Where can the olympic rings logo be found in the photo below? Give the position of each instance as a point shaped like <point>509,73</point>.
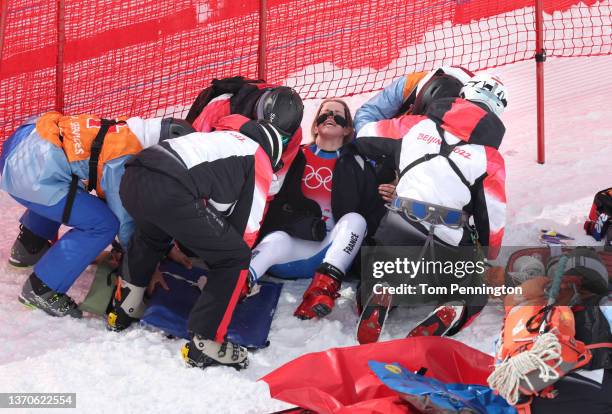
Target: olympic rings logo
<point>315,179</point>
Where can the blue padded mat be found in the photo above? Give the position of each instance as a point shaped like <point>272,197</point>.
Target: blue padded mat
<point>169,310</point>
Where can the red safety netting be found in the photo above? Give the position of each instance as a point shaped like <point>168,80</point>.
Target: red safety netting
<point>579,31</point>
<point>152,57</point>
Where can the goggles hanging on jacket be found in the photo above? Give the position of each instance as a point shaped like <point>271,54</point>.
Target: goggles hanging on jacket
<point>419,211</point>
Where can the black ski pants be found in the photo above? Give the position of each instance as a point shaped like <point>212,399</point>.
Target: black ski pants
<point>394,230</point>
<point>163,209</point>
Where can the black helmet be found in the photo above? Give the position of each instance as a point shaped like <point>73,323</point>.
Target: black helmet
<point>438,86</point>
<point>282,107</point>
<point>173,128</point>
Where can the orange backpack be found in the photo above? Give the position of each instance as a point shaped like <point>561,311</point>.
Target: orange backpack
<point>88,137</point>
<point>537,346</point>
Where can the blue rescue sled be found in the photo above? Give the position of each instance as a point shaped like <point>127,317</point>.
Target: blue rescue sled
<point>169,310</point>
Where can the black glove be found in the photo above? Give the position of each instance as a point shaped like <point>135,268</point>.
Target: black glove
<point>307,228</point>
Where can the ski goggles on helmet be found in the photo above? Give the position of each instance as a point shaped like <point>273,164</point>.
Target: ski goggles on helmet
<point>285,139</point>
<point>285,136</point>
<point>338,119</point>
<point>419,211</point>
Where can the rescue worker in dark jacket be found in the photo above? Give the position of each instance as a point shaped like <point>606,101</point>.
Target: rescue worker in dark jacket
<point>209,191</point>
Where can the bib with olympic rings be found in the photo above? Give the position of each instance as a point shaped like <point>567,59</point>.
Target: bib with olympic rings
<point>317,182</point>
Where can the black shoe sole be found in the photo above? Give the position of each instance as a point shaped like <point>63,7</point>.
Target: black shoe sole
<point>33,306</point>
<point>209,362</point>
<point>321,310</point>
<point>19,265</point>
<point>238,367</point>
<point>118,327</point>
<point>27,303</point>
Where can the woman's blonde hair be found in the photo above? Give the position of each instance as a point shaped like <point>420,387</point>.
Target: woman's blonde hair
<point>347,115</point>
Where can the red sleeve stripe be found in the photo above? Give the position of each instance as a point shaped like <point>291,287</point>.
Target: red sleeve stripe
<point>496,174</point>
<point>495,196</point>
<point>495,241</point>
<point>263,179</point>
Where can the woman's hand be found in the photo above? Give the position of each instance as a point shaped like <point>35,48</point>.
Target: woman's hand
<point>387,192</point>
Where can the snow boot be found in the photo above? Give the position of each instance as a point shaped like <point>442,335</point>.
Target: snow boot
<point>128,306</point>
<point>203,353</point>
<point>321,293</point>
<point>27,249</point>
<point>445,320</point>
<point>36,295</point>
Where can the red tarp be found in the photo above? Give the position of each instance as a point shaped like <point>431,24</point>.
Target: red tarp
<point>339,381</point>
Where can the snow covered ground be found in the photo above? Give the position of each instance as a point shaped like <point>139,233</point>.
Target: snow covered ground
<point>141,371</point>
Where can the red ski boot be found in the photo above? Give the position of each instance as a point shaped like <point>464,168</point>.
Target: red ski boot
<point>370,328</point>
<point>373,317</point>
<point>320,295</point>
<point>441,321</point>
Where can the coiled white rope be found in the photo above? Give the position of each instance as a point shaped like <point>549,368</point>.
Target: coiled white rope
<point>525,268</point>
<point>507,376</point>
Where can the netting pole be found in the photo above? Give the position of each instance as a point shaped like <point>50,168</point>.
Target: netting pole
<point>261,51</point>
<point>59,66</point>
<point>3,18</point>
<point>540,57</point>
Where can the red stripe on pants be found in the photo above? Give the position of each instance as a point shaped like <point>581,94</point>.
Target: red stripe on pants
<point>231,306</point>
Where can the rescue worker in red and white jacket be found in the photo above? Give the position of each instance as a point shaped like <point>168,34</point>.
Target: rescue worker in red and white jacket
<point>447,157</point>
<point>471,177</point>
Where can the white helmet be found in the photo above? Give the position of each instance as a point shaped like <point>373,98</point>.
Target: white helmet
<point>487,89</point>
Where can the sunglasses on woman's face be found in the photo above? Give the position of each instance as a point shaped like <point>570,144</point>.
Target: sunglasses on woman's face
<point>338,119</point>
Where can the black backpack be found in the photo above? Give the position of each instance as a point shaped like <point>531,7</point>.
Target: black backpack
<point>600,216</point>
<point>245,91</point>
<point>592,327</point>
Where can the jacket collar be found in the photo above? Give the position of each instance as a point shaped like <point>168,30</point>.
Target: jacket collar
<point>246,126</point>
